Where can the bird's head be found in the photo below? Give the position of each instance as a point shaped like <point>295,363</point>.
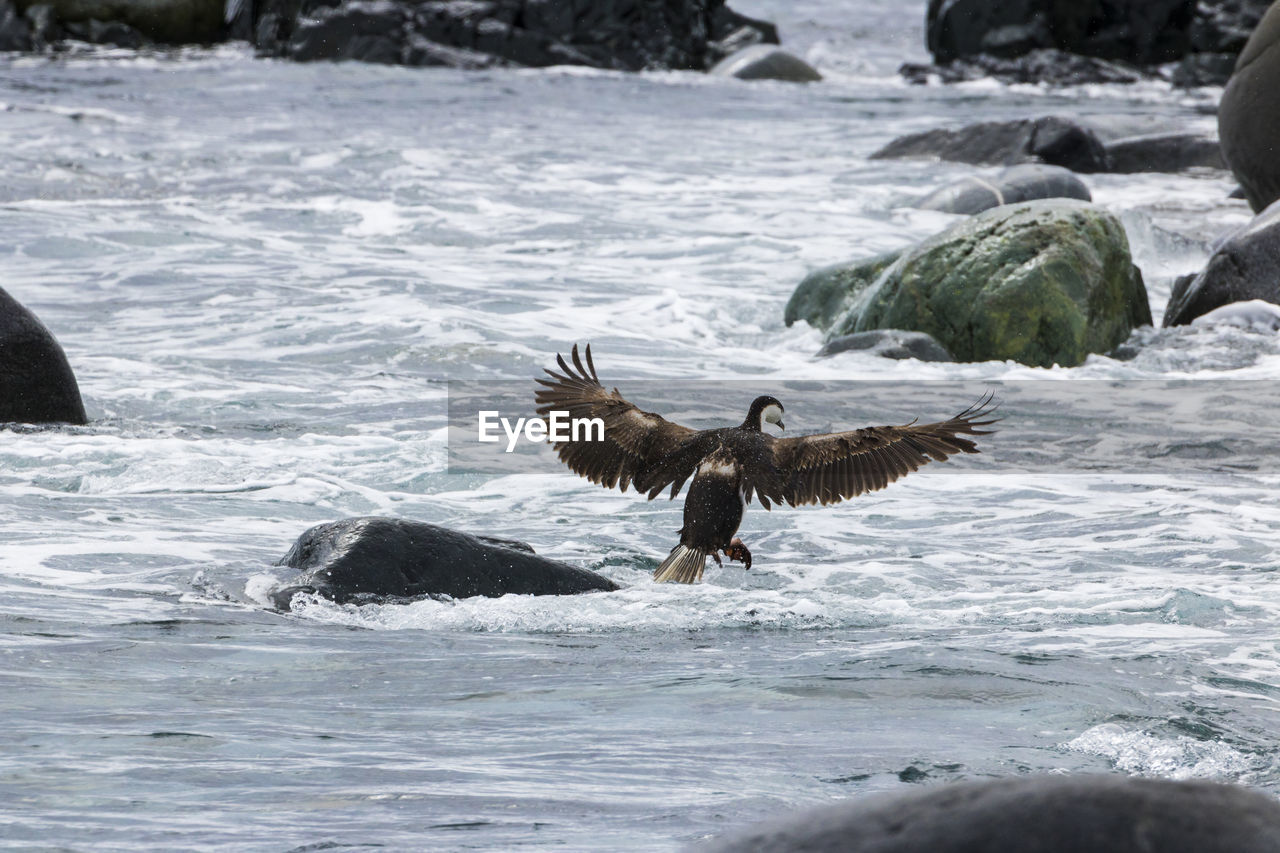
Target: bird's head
<point>764,410</point>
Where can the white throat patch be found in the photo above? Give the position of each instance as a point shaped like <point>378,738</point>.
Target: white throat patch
<point>772,414</point>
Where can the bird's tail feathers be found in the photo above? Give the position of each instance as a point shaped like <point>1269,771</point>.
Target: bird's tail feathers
<point>683,565</point>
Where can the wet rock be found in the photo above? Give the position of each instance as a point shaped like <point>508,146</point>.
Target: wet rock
<point>766,62</point>
<point>15,31</point>
<point>1041,283</point>
<point>1245,266</point>
<point>36,382</point>
<point>113,33</point>
<point>616,34</point>
<point>44,25</point>
<point>827,293</point>
<point>363,560</point>
<point>1164,152</point>
<point>1204,69</point>
<point>890,343</point>
<point>1019,183</point>
<point>1145,32</point>
<point>1222,27</point>
<point>1046,66</point>
<point>1250,111</point>
<point>1254,315</point>
<point>1052,140</point>
<point>1034,814</point>
<point>165,21</point>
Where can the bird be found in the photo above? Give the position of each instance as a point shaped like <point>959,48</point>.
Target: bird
<point>732,465</point>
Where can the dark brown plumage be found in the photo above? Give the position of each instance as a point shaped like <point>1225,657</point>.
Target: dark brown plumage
<point>645,450</point>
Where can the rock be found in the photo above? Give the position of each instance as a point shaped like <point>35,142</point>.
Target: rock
<point>165,21</point>
<point>1250,111</point>
<point>36,382</point>
<point>363,560</point>
<point>1254,315</point>
<point>1033,814</point>
<point>1203,69</point>
<point>1041,283</point>
<point>1245,266</point>
<point>1223,26</point>
<point>105,32</point>
<point>1046,66</point>
<point>827,293</point>
<point>617,34</point>
<point>15,32</point>
<point>1052,140</point>
<point>1016,184</point>
<point>1164,152</point>
<point>890,343</point>
<point>766,62</point>
<point>1145,32</point>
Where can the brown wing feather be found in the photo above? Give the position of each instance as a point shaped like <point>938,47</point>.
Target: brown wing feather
<point>636,442</point>
<point>832,467</point>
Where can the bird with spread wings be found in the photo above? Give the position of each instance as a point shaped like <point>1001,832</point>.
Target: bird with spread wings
<point>732,465</point>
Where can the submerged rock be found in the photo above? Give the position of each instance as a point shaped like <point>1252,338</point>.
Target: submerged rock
<point>1046,66</point>
<point>827,293</point>
<point>1250,112</point>
<point>1019,183</point>
<point>1164,152</point>
<point>36,382</point>
<point>889,343</point>
<point>766,62</point>
<point>1041,283</point>
<point>1035,814</point>
<point>373,559</point>
<point>1244,266</point>
<point>1052,140</point>
<point>1254,315</point>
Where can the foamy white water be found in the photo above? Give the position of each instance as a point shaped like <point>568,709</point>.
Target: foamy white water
<point>264,274</point>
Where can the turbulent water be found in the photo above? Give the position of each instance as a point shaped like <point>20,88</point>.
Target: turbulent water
<point>264,274</point>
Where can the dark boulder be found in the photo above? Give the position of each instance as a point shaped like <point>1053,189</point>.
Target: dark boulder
<point>1164,152</point>
<point>1019,183</point>
<point>889,343</point>
<point>1203,69</point>
<point>1244,266</point>
<point>1140,31</point>
<point>1052,140</point>
<point>164,21</point>
<point>617,34</point>
<point>363,560</point>
<point>1035,814</point>
<point>36,382</point>
<point>766,62</point>
<point>15,31</point>
<point>1249,114</point>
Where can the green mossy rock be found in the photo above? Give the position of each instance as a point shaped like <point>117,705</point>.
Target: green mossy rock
<point>826,294</point>
<point>1042,283</point>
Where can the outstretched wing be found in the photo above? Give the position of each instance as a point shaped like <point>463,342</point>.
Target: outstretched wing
<point>831,467</point>
<point>639,447</point>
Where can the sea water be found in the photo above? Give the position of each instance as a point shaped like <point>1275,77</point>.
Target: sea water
<point>264,275</point>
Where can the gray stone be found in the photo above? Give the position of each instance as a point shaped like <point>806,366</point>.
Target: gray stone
<point>889,343</point>
<point>1019,183</point>
<point>1246,265</point>
<point>36,382</point>
<point>1249,114</point>
<point>1164,152</point>
<point>15,31</point>
<point>1036,814</point>
<point>166,21</point>
<point>827,293</point>
<point>1052,140</point>
<point>363,560</point>
<point>766,62</point>
<point>1047,66</point>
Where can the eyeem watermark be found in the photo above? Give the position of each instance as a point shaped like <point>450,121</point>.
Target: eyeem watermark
<point>557,426</point>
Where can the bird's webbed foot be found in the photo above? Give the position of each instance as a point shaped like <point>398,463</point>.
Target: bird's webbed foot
<point>738,552</point>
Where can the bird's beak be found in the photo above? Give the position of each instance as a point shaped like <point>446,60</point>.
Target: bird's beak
<point>781,425</point>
